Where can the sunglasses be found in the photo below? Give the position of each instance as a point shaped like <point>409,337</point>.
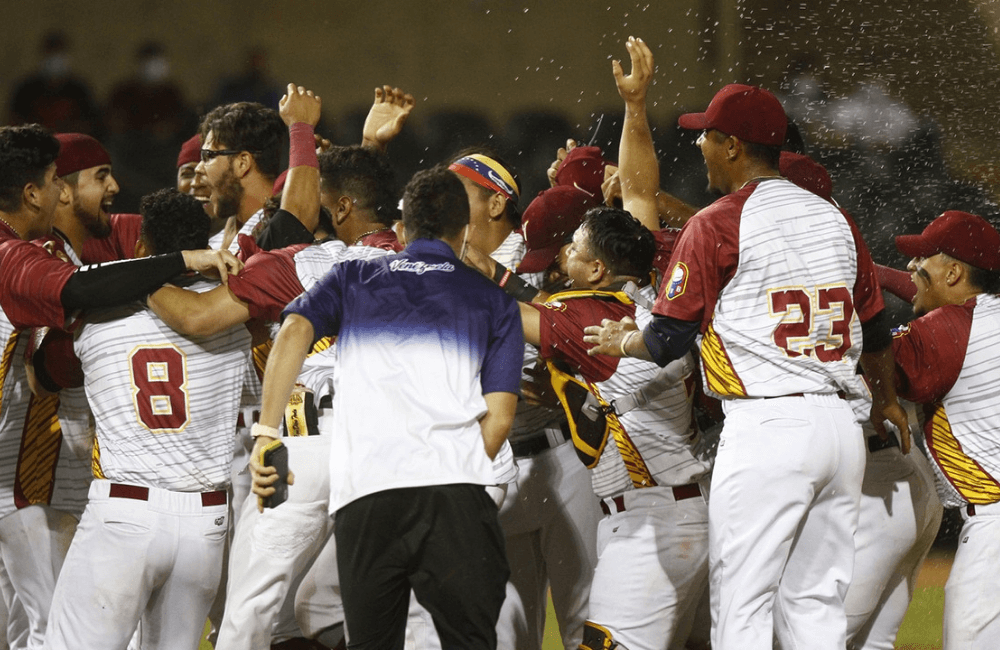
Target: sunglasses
<point>209,154</point>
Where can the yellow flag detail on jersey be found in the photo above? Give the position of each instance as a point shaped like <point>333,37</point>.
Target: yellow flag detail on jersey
<point>720,376</point>
<point>969,478</point>
<point>40,445</point>
<point>260,354</point>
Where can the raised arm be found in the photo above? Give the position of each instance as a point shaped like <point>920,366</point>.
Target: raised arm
<point>638,169</point>
<point>300,110</point>
<point>386,118</point>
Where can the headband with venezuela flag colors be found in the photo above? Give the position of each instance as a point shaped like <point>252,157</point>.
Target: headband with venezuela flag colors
<point>486,172</point>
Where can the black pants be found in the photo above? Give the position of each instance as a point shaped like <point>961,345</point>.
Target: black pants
<point>442,541</point>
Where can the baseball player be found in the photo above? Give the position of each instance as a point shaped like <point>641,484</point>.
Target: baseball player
<point>783,292</point>
<point>150,543</point>
<point>945,360</point>
<point>549,518</point>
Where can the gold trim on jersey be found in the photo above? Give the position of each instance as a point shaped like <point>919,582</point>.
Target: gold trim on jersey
<point>7,359</point>
<point>720,375</point>
<point>260,354</point>
<point>41,441</point>
<point>964,473</point>
<point>324,343</point>
<point>570,294</point>
<point>95,460</point>
<point>590,444</point>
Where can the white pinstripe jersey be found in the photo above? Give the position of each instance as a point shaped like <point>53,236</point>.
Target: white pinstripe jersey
<point>786,323</point>
<point>963,429</point>
<point>165,405</point>
<point>661,430</point>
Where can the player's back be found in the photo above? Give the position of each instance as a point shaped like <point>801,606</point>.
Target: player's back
<point>785,323</point>
<point>165,405</point>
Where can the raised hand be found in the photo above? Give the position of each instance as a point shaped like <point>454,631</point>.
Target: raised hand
<point>633,87</point>
<point>299,105</point>
<point>387,116</point>
<point>561,154</point>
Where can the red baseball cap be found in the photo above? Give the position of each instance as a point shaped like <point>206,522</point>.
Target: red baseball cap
<point>583,167</point>
<point>806,173</point>
<point>78,151</point>
<point>961,235</point>
<point>549,221</point>
<point>190,151</point>
<point>750,113</point>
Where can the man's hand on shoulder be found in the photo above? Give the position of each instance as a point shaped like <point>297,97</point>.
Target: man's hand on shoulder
<point>213,264</point>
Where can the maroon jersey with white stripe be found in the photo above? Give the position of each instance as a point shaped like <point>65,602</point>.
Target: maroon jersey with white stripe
<point>31,282</point>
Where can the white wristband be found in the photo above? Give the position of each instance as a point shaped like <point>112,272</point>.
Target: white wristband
<point>259,429</point>
<point>625,341</point>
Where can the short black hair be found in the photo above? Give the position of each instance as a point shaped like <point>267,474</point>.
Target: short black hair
<point>435,204</point>
<point>248,126</point>
<point>365,175</point>
<point>25,154</point>
<point>173,222</point>
<point>511,212</point>
<point>618,239</point>
<point>982,279</point>
<point>767,154</point>
<point>273,203</point>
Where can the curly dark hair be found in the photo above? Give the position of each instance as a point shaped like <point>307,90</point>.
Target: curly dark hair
<point>248,126</point>
<point>435,204</point>
<point>618,239</point>
<point>25,154</point>
<point>172,222</point>
<point>363,174</point>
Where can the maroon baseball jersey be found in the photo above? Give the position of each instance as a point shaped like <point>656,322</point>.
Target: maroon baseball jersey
<point>31,282</point>
<point>268,282</point>
<point>563,319</point>
<point>119,245</point>
<point>930,352</point>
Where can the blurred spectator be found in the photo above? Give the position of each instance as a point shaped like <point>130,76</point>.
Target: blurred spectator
<point>252,84</point>
<point>150,102</point>
<point>53,96</point>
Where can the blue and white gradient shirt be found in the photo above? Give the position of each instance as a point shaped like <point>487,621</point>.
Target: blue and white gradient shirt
<point>421,339</point>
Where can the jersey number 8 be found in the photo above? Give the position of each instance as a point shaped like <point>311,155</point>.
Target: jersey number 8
<point>159,388</point>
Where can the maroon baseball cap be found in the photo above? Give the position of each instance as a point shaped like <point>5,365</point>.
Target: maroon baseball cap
<point>583,167</point>
<point>750,113</point>
<point>806,173</point>
<point>549,221</point>
<point>961,235</point>
<point>190,151</point>
<point>77,152</point>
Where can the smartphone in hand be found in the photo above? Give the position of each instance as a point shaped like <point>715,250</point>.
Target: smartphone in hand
<point>275,454</point>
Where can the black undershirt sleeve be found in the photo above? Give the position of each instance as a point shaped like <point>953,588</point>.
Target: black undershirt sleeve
<point>875,333</point>
<point>669,338</point>
<point>283,229</point>
<point>118,283</point>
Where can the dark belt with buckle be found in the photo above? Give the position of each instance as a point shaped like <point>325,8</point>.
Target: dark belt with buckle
<point>537,444</point>
<point>139,493</point>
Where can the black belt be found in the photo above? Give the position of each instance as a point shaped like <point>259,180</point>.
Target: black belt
<point>875,443</point>
<point>537,444</point>
<point>139,493</point>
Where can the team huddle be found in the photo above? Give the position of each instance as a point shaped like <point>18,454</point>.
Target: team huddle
<point>318,414</point>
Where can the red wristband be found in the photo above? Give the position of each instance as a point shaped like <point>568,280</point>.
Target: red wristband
<point>302,146</point>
